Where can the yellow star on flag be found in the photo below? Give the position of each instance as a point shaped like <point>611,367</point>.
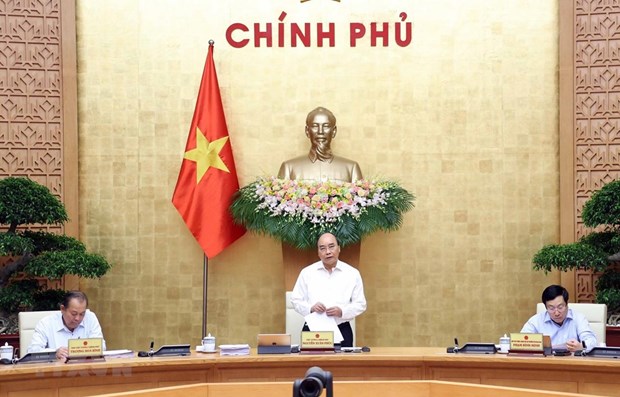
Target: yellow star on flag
<point>206,154</point>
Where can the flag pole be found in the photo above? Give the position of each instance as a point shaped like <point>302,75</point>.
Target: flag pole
<point>208,178</point>
<point>205,279</point>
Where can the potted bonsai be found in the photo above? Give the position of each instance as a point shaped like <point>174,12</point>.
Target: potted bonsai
<point>29,255</point>
<point>598,251</point>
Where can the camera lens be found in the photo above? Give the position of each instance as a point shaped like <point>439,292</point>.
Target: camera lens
<point>310,387</point>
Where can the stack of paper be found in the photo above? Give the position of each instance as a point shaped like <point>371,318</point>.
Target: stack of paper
<point>234,350</point>
<point>123,353</point>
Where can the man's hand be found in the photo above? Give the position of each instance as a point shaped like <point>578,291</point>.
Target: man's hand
<point>318,308</point>
<point>334,311</point>
<point>62,353</point>
<point>573,345</point>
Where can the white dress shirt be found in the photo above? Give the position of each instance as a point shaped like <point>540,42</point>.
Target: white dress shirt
<point>342,287</point>
<point>51,332</point>
<point>575,326</point>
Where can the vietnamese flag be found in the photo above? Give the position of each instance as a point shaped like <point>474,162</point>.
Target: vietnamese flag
<point>208,178</point>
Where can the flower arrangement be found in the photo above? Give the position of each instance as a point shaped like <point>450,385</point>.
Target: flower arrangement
<point>297,212</point>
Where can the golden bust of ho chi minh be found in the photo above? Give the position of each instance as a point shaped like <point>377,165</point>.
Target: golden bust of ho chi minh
<point>320,163</point>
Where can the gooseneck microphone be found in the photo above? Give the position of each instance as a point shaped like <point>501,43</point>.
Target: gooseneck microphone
<point>583,351</point>
<point>454,349</point>
<point>149,353</point>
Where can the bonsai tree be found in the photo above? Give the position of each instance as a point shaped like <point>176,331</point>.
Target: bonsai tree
<point>30,255</point>
<point>598,251</point>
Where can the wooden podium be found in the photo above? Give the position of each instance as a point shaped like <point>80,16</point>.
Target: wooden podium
<point>294,259</point>
<point>347,389</point>
<point>585,375</point>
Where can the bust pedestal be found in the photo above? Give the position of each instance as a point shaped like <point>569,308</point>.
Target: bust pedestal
<point>294,259</point>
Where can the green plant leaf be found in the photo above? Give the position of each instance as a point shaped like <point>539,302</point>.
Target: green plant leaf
<point>610,297</point>
<point>56,264</point>
<point>610,279</point>
<point>44,241</point>
<point>15,244</point>
<point>570,256</point>
<point>298,212</point>
<point>49,299</point>
<point>603,208</point>
<point>23,204</point>
<point>23,201</point>
<point>607,241</point>
<point>18,294</point>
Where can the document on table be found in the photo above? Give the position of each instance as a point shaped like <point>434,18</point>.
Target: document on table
<point>323,322</point>
<point>235,350</point>
<point>122,353</point>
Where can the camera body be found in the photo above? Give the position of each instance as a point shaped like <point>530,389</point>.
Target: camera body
<point>313,383</point>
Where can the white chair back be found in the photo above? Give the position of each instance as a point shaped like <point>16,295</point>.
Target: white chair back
<point>27,322</point>
<point>596,313</point>
<point>295,322</point>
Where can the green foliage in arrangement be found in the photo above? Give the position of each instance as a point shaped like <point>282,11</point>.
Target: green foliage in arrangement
<point>298,212</point>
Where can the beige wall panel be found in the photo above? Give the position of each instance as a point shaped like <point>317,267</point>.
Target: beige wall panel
<point>466,118</point>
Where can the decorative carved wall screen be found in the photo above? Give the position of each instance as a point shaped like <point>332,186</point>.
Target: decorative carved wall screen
<point>38,98</point>
<point>590,74</point>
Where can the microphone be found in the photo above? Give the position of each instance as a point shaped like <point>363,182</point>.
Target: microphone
<point>454,349</point>
<point>583,351</point>
<point>149,353</point>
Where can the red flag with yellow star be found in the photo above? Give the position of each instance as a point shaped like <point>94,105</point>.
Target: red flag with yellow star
<point>208,178</point>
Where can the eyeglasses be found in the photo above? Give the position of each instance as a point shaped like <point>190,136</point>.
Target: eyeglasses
<point>559,308</point>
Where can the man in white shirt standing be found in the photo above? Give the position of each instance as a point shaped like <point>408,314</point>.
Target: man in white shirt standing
<point>73,321</point>
<point>332,287</point>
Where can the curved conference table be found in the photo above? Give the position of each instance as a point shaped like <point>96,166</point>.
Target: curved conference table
<point>585,375</point>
